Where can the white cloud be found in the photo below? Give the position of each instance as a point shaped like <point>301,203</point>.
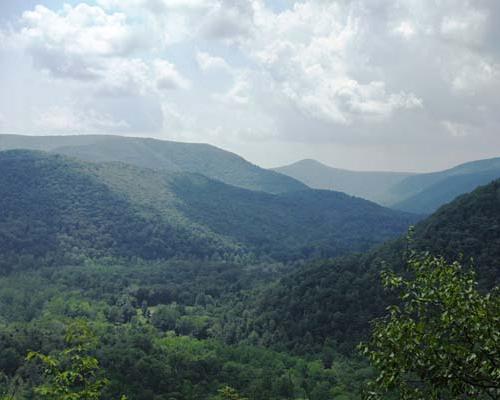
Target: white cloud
<point>82,30</point>
<point>308,52</point>
<point>339,72</point>
<point>457,129</point>
<point>467,27</point>
<point>167,76</point>
<point>208,62</point>
<point>97,48</point>
<point>238,94</point>
<point>77,42</point>
<point>173,120</point>
<point>3,40</point>
<point>156,5</point>
<point>405,29</point>
<point>123,76</point>
<point>229,20</point>
<point>373,99</point>
<point>471,73</point>
<point>71,119</point>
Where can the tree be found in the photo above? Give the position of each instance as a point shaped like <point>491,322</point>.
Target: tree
<point>73,374</point>
<point>228,393</point>
<point>442,341</point>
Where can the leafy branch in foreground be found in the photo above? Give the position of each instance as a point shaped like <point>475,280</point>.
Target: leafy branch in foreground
<point>442,341</point>
<point>73,374</point>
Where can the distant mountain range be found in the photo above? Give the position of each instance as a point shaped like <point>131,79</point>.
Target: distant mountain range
<point>65,211</point>
<point>425,193</point>
<point>161,155</point>
<point>410,192</point>
<point>374,186</point>
<point>417,193</point>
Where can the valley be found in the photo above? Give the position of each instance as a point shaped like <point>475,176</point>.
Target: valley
<point>249,200</point>
<point>194,288</point>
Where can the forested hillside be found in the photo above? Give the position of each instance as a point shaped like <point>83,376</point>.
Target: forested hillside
<point>332,303</point>
<point>434,196</point>
<point>160,155</point>
<point>156,333</point>
<point>57,210</point>
<point>425,193</point>
<point>183,287</point>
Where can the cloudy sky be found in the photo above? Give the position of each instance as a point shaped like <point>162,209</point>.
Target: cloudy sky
<point>359,84</point>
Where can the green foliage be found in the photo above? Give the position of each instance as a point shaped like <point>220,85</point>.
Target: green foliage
<point>72,374</point>
<point>298,225</point>
<point>59,211</point>
<point>220,317</point>
<point>325,307</point>
<point>332,302</point>
<point>469,227</point>
<point>442,341</point>
<point>228,393</point>
<point>186,357</point>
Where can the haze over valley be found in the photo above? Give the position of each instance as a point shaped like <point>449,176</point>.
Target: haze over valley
<point>249,200</point>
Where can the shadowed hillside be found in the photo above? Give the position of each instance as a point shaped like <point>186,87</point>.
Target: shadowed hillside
<point>63,210</point>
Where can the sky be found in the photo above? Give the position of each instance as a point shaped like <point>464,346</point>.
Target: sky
<point>401,85</point>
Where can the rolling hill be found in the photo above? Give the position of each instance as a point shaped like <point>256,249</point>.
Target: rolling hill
<point>332,302</point>
<point>61,210</point>
<point>372,186</point>
<point>162,155</point>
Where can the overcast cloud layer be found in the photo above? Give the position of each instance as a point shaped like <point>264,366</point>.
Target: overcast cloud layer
<point>362,84</point>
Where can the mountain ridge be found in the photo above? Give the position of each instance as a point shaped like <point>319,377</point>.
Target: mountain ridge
<point>88,210</point>
<point>371,185</point>
<point>169,156</point>
<point>421,193</point>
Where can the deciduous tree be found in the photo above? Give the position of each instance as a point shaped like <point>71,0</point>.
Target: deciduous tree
<point>442,341</point>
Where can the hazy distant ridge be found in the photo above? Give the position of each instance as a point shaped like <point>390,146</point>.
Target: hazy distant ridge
<point>162,155</point>
<point>418,193</point>
<point>370,185</point>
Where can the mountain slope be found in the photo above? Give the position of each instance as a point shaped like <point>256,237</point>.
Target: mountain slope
<point>67,211</point>
<point>62,211</point>
<point>445,191</point>
<point>416,193</point>
<point>373,186</point>
<point>160,155</point>
<point>332,303</point>
<point>290,225</point>
<point>430,191</point>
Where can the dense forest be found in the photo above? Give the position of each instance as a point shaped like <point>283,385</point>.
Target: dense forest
<point>120,282</point>
<point>58,210</point>
<point>331,303</point>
